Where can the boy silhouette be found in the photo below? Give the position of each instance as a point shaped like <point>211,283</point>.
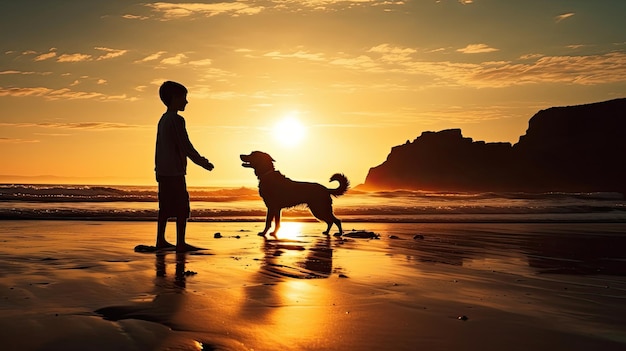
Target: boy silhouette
<point>172,149</point>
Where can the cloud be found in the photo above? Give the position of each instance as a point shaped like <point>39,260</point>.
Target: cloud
<point>24,72</point>
<point>75,125</point>
<point>134,17</point>
<point>529,69</point>
<point>14,72</point>
<point>393,53</point>
<point>215,73</point>
<point>170,11</point>
<point>531,56</point>
<point>533,68</point>
<point>300,54</point>
<point>158,81</point>
<point>476,49</point>
<point>60,94</point>
<point>580,70</point>
<point>22,92</point>
<point>559,18</point>
<point>17,141</point>
<point>326,4</point>
<point>174,60</point>
<point>205,62</point>
<point>46,56</point>
<point>575,46</point>
<point>360,62</point>
<point>110,53</point>
<point>152,57</point>
<point>74,58</point>
<point>54,134</point>
<point>436,50</point>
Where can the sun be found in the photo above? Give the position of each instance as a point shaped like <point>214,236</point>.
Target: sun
<point>289,131</point>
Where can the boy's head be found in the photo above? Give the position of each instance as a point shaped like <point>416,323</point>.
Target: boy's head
<point>170,90</point>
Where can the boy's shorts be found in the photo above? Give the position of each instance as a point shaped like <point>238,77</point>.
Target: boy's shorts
<point>173,197</point>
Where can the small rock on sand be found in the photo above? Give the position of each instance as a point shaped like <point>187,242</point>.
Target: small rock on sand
<point>363,234</point>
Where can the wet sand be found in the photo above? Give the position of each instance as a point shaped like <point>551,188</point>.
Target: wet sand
<point>72,285</point>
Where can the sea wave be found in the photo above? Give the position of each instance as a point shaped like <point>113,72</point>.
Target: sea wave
<point>25,201</point>
<point>88,193</point>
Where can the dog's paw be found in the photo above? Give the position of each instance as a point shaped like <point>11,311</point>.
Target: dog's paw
<point>261,234</point>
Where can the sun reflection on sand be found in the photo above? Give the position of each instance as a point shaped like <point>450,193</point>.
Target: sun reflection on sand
<point>295,290</point>
<point>303,317</point>
<point>290,230</point>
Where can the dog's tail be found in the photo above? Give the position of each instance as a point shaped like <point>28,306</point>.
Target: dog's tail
<point>344,184</point>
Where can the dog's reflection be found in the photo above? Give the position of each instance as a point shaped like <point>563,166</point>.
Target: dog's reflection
<point>285,258</point>
<point>285,263</point>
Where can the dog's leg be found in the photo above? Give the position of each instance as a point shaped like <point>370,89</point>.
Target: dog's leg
<point>276,223</point>
<point>268,221</point>
<point>329,224</point>
<point>324,212</point>
<point>338,223</point>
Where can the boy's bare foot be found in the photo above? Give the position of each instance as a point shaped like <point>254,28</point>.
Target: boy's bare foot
<point>187,247</point>
<point>165,246</point>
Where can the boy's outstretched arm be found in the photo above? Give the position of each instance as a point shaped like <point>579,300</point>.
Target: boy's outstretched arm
<point>186,146</point>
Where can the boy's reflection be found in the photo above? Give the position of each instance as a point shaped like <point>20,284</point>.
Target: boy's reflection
<point>168,296</point>
<point>180,274</point>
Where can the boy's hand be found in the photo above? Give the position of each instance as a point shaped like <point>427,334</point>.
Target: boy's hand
<point>204,163</point>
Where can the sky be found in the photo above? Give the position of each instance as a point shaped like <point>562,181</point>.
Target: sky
<point>324,86</point>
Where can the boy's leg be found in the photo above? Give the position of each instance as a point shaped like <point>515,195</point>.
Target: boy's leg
<point>181,227</point>
<point>160,239</point>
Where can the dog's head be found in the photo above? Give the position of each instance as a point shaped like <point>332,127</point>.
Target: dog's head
<point>259,161</point>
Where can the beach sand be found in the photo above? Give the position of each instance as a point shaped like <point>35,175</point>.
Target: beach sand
<point>78,285</point>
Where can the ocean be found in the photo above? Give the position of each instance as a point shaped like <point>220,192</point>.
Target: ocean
<point>139,203</point>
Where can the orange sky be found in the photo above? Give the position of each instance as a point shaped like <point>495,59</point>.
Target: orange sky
<point>78,82</point>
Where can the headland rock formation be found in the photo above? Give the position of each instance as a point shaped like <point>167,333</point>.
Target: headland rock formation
<point>565,149</point>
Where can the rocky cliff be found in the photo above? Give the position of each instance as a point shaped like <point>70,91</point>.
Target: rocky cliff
<point>574,149</point>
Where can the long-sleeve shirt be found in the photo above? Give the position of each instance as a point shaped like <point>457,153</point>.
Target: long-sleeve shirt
<point>173,147</point>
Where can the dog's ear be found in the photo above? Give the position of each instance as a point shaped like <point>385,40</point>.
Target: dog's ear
<point>263,154</point>
<point>269,157</point>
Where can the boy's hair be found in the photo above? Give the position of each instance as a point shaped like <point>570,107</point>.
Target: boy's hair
<point>170,89</point>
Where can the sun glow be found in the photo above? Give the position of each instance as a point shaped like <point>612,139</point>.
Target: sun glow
<point>290,230</point>
<point>289,131</point>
